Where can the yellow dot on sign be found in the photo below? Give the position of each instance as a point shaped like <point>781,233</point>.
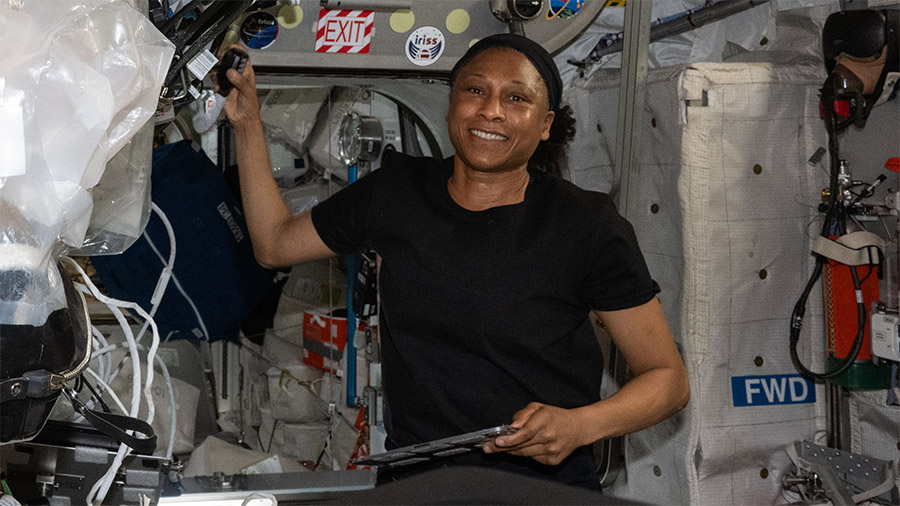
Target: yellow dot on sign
<point>290,16</point>
<point>402,20</point>
<point>473,42</point>
<point>458,21</point>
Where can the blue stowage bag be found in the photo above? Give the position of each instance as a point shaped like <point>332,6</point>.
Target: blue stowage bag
<point>214,261</point>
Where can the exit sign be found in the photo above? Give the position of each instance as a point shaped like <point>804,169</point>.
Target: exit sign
<point>344,31</point>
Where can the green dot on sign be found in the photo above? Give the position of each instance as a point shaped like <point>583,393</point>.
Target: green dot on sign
<point>458,21</point>
<point>290,16</point>
<point>402,20</point>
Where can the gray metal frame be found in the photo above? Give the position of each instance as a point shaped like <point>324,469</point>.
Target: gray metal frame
<point>293,51</point>
<point>632,92</point>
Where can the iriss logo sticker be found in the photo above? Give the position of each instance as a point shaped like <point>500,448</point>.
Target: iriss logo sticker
<point>424,46</point>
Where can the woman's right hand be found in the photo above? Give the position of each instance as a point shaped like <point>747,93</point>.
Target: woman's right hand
<point>242,104</point>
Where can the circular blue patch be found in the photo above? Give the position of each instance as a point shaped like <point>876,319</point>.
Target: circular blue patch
<point>259,30</point>
<point>564,8</point>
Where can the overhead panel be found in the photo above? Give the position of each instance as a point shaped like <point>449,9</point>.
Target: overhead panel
<point>397,38</point>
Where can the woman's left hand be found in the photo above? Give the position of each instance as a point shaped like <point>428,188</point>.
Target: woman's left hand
<point>545,433</point>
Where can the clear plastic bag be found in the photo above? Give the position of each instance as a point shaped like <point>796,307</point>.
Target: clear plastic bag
<point>121,198</point>
<point>77,80</point>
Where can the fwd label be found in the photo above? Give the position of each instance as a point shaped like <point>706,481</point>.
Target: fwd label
<point>772,390</point>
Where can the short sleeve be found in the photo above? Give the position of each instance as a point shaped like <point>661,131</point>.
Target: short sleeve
<point>342,220</point>
<point>618,277</point>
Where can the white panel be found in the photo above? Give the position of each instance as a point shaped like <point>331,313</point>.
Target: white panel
<point>875,425</point>
<point>661,134</point>
<point>731,469</point>
<point>656,469</point>
<point>778,247</point>
<point>717,225</point>
<point>740,344</point>
<point>589,155</point>
<point>658,218</point>
<point>771,193</point>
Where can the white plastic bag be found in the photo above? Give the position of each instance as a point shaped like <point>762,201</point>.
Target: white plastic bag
<point>77,80</point>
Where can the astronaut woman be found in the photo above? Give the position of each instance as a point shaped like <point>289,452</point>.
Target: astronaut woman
<point>490,270</point>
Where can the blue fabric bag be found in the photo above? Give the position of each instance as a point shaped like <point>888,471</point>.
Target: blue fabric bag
<point>214,261</point>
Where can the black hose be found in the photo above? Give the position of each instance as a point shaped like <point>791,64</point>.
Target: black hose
<point>168,26</point>
<point>835,223</point>
<point>211,23</point>
<point>797,325</point>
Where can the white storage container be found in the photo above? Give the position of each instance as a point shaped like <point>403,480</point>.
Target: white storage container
<point>300,441</point>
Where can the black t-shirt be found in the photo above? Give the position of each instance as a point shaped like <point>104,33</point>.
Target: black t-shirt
<point>483,312</point>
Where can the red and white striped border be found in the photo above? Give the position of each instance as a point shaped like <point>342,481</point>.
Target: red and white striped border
<point>325,15</point>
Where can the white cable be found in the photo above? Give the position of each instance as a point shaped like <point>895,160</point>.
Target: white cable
<point>168,379</point>
<point>113,305</point>
<point>172,410</point>
<point>101,488</point>
<point>103,362</point>
<point>187,297</point>
<point>163,282</point>
<point>135,359</point>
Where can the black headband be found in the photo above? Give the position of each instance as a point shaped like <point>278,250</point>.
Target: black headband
<point>537,55</point>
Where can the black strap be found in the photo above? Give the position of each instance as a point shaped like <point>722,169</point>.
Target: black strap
<point>34,384</point>
<point>115,426</point>
<point>13,389</point>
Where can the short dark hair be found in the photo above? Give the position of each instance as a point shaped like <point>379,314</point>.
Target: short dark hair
<point>549,153</point>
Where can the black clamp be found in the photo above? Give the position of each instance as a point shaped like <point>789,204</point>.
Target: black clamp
<point>32,384</point>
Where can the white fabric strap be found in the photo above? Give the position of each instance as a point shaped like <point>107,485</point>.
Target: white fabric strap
<point>886,486</point>
<point>856,248</point>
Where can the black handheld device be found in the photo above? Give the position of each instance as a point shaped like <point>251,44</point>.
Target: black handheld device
<point>235,59</point>
<point>434,450</point>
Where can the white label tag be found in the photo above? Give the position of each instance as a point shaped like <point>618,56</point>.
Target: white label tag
<point>12,142</point>
<point>194,92</point>
<point>202,64</point>
<point>270,465</point>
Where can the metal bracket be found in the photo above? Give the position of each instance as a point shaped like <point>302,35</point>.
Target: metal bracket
<point>847,478</point>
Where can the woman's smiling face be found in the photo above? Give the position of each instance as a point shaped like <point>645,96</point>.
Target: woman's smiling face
<point>498,111</point>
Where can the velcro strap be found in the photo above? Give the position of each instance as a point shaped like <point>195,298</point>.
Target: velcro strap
<point>115,426</point>
<point>856,248</point>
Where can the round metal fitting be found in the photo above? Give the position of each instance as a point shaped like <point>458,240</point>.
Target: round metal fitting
<point>360,137</point>
<point>525,9</point>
